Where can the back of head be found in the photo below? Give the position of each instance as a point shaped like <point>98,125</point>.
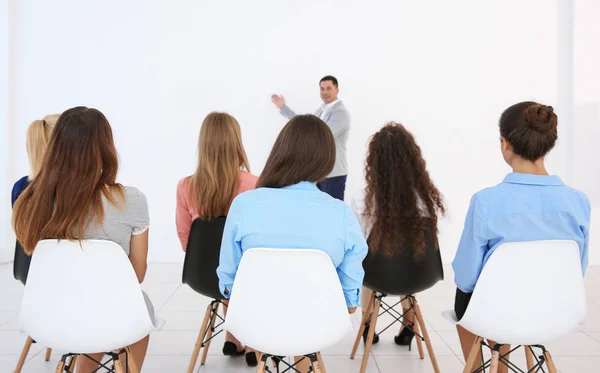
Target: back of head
<point>399,192</point>
<point>221,155</point>
<point>38,136</point>
<point>79,167</point>
<point>530,128</point>
<point>303,151</point>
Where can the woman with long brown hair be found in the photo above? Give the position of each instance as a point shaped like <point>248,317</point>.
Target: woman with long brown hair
<point>75,196</point>
<point>398,195</point>
<point>221,174</point>
<point>287,210</point>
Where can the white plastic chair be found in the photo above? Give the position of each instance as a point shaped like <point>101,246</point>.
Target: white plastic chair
<point>527,294</point>
<point>84,297</point>
<point>287,302</point>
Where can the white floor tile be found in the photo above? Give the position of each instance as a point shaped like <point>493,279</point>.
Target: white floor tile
<point>7,316</point>
<point>416,365</point>
<point>12,342</point>
<point>572,364</point>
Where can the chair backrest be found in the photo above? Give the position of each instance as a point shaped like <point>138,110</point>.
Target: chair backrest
<point>528,293</point>
<point>287,302</point>
<point>21,264</point>
<point>202,257</point>
<point>402,274</point>
<point>83,297</point>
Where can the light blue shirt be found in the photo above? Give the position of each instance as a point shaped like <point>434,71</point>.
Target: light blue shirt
<point>524,207</point>
<point>297,216</point>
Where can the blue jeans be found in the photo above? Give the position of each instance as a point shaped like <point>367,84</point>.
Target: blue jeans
<point>334,186</point>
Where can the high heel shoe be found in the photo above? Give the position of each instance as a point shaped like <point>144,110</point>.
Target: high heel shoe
<point>230,349</point>
<point>251,359</point>
<point>366,335</point>
<point>405,337</point>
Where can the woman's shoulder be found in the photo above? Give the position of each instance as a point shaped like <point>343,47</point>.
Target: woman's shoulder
<point>133,198</point>
<point>248,181</point>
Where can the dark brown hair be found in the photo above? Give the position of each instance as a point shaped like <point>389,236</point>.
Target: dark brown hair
<point>530,128</point>
<point>303,151</point>
<point>398,190</point>
<point>80,166</point>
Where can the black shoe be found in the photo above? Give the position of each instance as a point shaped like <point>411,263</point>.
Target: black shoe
<point>366,334</point>
<point>230,349</point>
<point>251,359</point>
<point>405,337</point>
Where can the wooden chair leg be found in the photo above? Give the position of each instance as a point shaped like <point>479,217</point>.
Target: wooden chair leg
<point>369,344</point>
<point>48,353</point>
<point>24,354</point>
<point>417,329</point>
<point>262,362</point>
<point>495,361</point>
<point>529,357</point>
<point>472,356</point>
<point>131,363</point>
<point>550,362</point>
<point>421,321</point>
<point>361,330</point>
<point>60,368</point>
<point>321,363</point>
<point>199,340</point>
<point>210,333</point>
<point>119,366</point>
<point>72,364</point>
<point>316,366</point>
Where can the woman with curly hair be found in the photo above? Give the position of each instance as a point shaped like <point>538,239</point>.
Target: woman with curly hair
<point>398,195</point>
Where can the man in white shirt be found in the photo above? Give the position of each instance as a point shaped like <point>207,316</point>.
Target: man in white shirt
<point>336,116</point>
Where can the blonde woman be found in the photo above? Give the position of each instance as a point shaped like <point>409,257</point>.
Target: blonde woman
<point>222,173</point>
<point>38,136</point>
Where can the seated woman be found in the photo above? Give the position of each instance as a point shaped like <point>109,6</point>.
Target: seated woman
<point>38,136</point>
<point>399,194</point>
<point>75,196</point>
<point>221,174</point>
<point>528,205</point>
<point>288,204</point>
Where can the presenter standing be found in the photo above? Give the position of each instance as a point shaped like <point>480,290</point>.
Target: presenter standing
<point>336,116</point>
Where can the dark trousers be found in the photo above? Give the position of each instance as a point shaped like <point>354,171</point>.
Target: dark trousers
<point>334,186</point>
<point>461,302</point>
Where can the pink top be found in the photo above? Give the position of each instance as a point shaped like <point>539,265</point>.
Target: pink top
<point>186,210</point>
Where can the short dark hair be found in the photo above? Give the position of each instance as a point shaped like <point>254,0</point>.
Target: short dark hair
<point>303,151</point>
<point>530,128</point>
<point>330,78</point>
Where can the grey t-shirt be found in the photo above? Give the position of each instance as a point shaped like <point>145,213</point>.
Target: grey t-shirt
<point>120,223</point>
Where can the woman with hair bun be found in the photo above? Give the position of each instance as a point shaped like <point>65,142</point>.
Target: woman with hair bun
<point>529,205</point>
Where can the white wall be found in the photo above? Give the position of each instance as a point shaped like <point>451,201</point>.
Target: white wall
<point>445,69</point>
<point>586,131</point>
<point>5,254</point>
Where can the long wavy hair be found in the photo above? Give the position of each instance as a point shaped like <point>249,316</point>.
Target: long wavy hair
<point>80,166</point>
<point>221,156</point>
<point>399,193</point>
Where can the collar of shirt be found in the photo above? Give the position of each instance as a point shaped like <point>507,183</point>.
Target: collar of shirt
<point>303,185</point>
<point>530,179</point>
<point>327,107</point>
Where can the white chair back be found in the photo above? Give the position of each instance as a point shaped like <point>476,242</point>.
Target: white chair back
<point>287,302</point>
<point>83,297</point>
<point>528,293</point>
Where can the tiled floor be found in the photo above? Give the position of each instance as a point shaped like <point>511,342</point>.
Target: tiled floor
<point>170,349</point>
